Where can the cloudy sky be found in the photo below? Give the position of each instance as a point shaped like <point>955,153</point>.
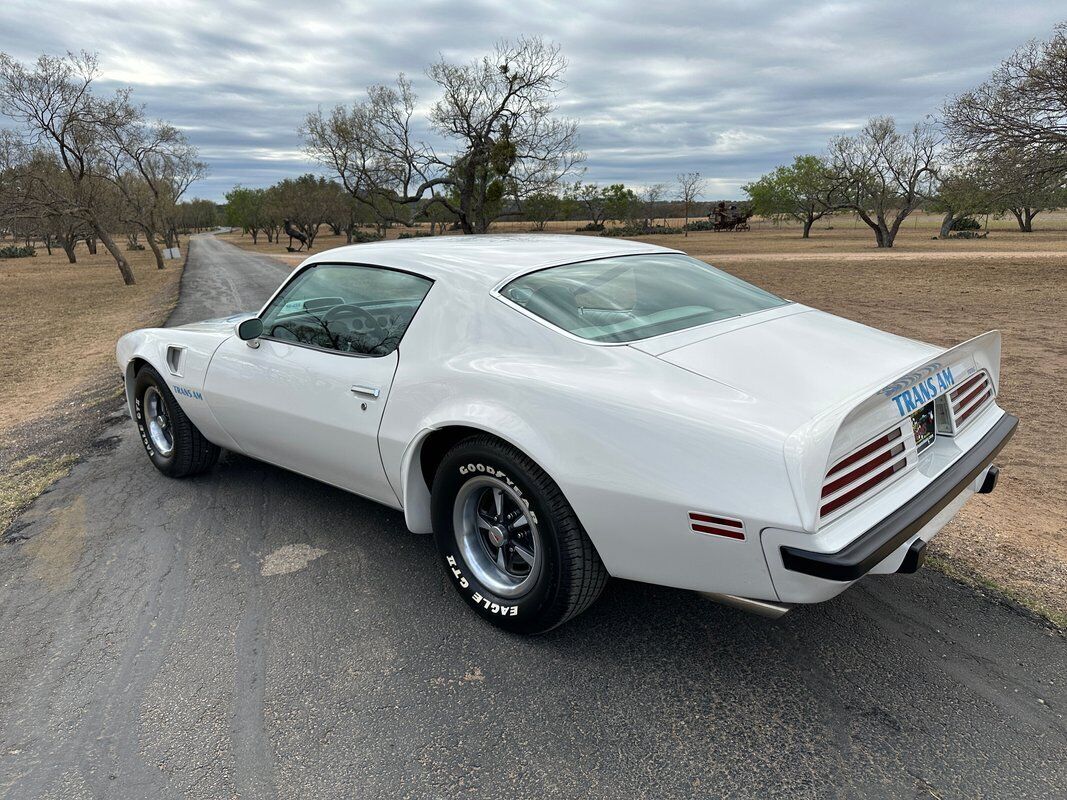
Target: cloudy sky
<point>727,88</point>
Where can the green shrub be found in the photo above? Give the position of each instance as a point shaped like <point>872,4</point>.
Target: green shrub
<point>17,251</point>
<point>362,237</point>
<point>967,224</point>
<point>591,226</point>
<point>700,225</point>
<point>413,234</point>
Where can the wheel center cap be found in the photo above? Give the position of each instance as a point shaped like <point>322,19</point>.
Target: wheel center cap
<point>497,535</point>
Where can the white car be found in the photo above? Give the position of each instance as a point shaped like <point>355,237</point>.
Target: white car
<point>558,409</point>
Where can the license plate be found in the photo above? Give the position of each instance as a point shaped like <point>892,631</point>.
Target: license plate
<point>922,425</point>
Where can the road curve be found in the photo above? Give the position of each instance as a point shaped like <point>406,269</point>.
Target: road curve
<point>254,634</point>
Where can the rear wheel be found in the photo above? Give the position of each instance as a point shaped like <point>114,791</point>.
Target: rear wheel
<point>512,544</point>
<point>173,443</point>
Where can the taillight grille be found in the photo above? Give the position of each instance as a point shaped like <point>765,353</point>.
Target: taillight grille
<point>970,397</point>
<point>867,467</point>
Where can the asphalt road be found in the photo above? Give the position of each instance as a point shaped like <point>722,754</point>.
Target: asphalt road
<point>254,634</point>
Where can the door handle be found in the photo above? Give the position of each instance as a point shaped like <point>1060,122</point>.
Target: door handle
<point>366,391</point>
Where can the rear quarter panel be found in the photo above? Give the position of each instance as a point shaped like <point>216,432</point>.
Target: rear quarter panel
<point>634,443</point>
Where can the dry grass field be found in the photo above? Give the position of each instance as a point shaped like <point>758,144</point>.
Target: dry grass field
<point>58,326</point>
<point>59,323</point>
<point>941,292</point>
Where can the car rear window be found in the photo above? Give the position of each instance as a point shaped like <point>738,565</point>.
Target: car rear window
<point>627,298</point>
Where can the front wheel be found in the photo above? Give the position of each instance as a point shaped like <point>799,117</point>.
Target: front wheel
<point>173,443</point>
<point>512,544</point>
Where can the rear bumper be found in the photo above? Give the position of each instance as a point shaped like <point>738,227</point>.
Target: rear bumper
<point>881,540</point>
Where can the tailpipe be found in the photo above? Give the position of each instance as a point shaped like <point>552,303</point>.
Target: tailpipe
<point>763,608</point>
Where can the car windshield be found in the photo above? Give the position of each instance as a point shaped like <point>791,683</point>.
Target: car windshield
<point>627,298</point>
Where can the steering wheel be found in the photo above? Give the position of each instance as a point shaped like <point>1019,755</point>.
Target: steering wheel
<point>347,310</point>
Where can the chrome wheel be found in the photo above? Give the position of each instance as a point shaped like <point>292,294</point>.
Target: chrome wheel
<point>157,422</point>
<point>497,537</point>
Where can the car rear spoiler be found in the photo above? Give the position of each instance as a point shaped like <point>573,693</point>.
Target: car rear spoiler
<point>811,448</point>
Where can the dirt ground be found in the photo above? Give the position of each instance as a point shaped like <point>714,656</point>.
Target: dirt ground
<point>58,326</point>
<point>942,292</point>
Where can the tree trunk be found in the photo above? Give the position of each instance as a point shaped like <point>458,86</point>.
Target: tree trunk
<point>946,224</point>
<point>889,235</point>
<point>255,235</point>
<point>68,248</point>
<point>882,235</point>
<point>808,222</point>
<point>1025,219</point>
<point>48,243</point>
<point>155,250</point>
<point>90,242</point>
<point>120,259</point>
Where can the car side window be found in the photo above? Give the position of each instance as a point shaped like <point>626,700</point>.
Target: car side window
<point>353,309</point>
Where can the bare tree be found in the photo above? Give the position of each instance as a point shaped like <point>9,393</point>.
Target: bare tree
<point>690,187</point>
<point>651,198</point>
<point>1023,184</point>
<point>883,175</point>
<point>1021,109</point>
<point>152,165</point>
<point>496,111</point>
<point>54,100</point>
<point>34,196</point>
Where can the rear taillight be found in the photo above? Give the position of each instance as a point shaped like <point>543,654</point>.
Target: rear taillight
<point>970,397</point>
<point>864,469</point>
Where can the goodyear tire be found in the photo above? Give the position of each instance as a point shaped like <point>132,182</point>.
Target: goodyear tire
<point>175,446</point>
<point>512,545</point>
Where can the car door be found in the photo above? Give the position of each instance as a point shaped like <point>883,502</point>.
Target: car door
<point>309,394</point>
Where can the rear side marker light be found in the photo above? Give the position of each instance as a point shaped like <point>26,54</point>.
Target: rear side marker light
<point>717,526</point>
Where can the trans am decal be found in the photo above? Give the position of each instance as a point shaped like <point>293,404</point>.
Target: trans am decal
<point>924,391</point>
<point>191,393</point>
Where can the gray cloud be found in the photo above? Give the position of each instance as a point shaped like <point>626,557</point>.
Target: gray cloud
<point>727,88</point>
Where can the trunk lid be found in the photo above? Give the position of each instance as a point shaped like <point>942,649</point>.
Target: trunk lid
<point>801,358</point>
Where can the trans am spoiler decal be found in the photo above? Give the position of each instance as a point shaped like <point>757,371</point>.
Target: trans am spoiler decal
<point>842,428</point>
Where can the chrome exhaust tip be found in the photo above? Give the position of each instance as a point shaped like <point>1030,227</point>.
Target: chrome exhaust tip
<point>763,608</point>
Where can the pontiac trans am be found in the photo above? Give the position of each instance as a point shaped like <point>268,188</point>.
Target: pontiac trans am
<point>560,409</point>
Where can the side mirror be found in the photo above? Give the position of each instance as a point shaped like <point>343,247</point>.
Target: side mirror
<point>249,330</point>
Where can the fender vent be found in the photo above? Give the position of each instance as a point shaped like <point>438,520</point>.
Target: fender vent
<point>970,397</point>
<point>174,359</point>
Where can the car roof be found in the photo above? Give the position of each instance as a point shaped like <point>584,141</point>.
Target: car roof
<point>484,259</point>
